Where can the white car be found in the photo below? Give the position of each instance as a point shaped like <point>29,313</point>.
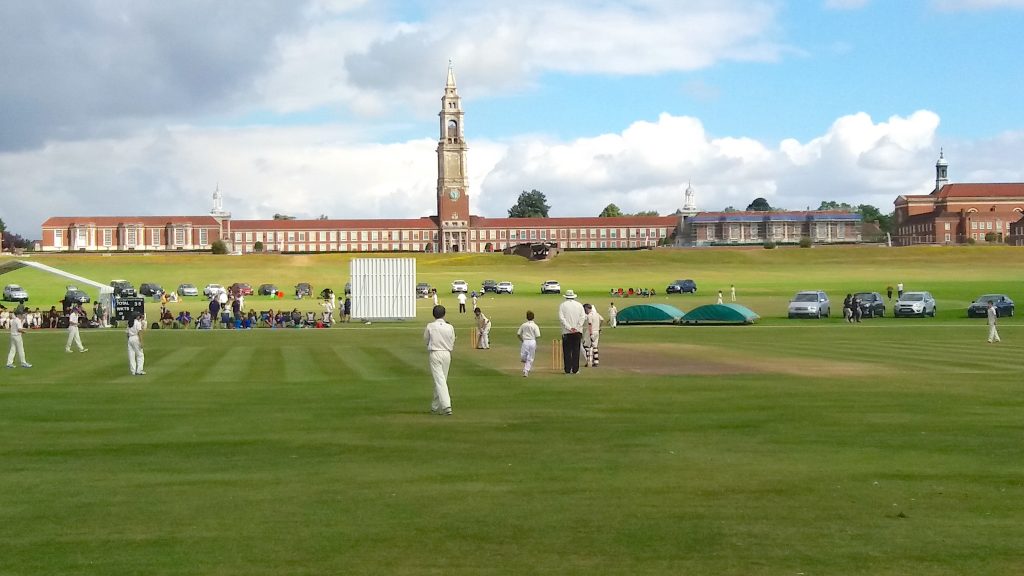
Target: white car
<point>15,293</point>
<point>212,290</point>
<point>810,304</point>
<point>504,288</point>
<point>551,287</point>
<point>460,286</point>
<point>914,304</point>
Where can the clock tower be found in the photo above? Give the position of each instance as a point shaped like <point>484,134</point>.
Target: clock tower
<point>452,182</point>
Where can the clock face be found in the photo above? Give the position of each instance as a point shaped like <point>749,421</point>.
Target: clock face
<point>453,193</point>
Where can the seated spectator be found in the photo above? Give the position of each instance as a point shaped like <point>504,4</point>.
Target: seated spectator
<point>279,319</point>
<point>52,317</point>
<point>267,318</point>
<point>226,320</point>
<point>166,318</point>
<point>296,318</point>
<point>183,320</point>
<point>205,321</point>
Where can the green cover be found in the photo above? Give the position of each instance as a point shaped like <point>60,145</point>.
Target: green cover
<point>649,313</point>
<point>721,314</point>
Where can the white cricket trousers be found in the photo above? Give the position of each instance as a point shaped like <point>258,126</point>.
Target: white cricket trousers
<point>993,335</point>
<point>612,321</point>
<point>483,337</point>
<point>136,359</point>
<point>74,338</point>
<point>17,347</point>
<point>440,361</point>
<point>527,353</point>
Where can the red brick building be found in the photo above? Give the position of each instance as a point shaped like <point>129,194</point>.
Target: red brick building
<point>958,213</point>
<point>126,233</point>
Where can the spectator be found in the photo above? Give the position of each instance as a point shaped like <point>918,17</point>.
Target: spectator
<point>52,317</point>
<point>346,309</point>
<point>166,318</point>
<point>205,321</point>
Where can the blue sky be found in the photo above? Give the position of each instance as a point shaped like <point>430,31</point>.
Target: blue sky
<point>330,106</point>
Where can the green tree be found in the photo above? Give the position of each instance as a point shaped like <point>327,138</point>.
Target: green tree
<point>532,204</point>
<point>833,205</point>
<point>219,247</point>
<point>646,213</point>
<point>869,213</point>
<point>258,246</point>
<point>610,211</point>
<point>759,205</point>
<point>730,209</point>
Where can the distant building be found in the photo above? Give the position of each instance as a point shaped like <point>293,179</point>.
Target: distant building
<point>451,229</point>
<point>958,213</point>
<point>735,228</point>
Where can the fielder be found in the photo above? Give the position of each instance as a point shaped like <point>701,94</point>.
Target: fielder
<point>440,339</point>
<point>529,334</point>
<point>992,313</point>
<point>17,323</point>
<point>612,313</point>
<point>136,358</point>
<point>73,337</point>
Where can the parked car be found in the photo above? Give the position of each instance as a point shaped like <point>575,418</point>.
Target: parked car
<point>811,303</point>
<point>489,286</point>
<point>266,290</point>
<point>551,287</point>
<point>871,304</point>
<point>423,290</point>
<point>243,288</point>
<point>504,288</point>
<point>680,286</point>
<point>15,293</point>
<point>460,286</point>
<point>979,308</point>
<point>303,289</point>
<point>75,296</point>
<point>188,290</point>
<point>150,289</point>
<point>121,286</point>
<point>914,304</point>
<point>212,290</point>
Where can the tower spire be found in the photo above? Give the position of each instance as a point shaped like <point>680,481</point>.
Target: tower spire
<point>941,171</point>
<point>451,75</point>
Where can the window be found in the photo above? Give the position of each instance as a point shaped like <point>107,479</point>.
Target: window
<point>947,236</point>
<point>513,234</point>
<point>613,233</point>
<point>820,230</point>
<point>179,236</point>
<point>108,236</point>
<point>58,237</point>
<point>533,234</point>
<point>604,233</point>
<point>363,237</point>
<point>501,234</point>
<point>131,234</point>
<point>203,236</point>
<point>754,232</point>
<point>947,228</point>
<point>841,231</point>
<point>302,236</point>
<point>374,236</point>
<point>604,243</point>
<point>572,234</point>
<point>248,236</point>
<point>154,236</point>
<point>543,234</point>
<point>734,231</point>
<point>522,234</point>
<point>988,225</point>
<point>291,236</point>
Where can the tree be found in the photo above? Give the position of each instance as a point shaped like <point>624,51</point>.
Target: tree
<point>532,204</point>
<point>869,213</point>
<point>219,247</point>
<point>729,209</point>
<point>646,213</point>
<point>759,205</point>
<point>833,205</point>
<point>323,217</point>
<point>610,211</point>
<point>258,246</point>
<point>283,217</point>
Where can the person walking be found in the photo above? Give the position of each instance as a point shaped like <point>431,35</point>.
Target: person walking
<point>572,317</point>
<point>483,330</point>
<point>591,335</point>
<point>17,326</point>
<point>462,302</point>
<point>74,317</point>
<point>732,292</point>
<point>848,308</point>
<point>346,308</point>
<point>434,295</point>
<point>136,358</point>
<point>719,301</point>
<point>613,312</point>
<point>855,307</point>
<point>992,313</point>
<point>899,289</point>
<point>439,337</point>
<point>529,334</point>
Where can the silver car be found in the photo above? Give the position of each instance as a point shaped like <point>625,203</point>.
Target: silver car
<point>810,304</point>
<point>914,304</point>
<point>15,293</point>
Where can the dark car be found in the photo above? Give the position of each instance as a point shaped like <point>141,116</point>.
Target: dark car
<point>489,286</point>
<point>979,308</point>
<point>120,286</point>
<point>871,304</point>
<point>680,286</point>
<point>303,289</point>
<point>75,296</point>
<point>241,288</point>
<point>267,290</point>
<point>150,289</point>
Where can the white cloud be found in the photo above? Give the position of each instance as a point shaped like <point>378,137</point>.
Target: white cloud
<point>846,4</point>
<point>971,5</point>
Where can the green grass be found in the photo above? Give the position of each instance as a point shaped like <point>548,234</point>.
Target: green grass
<point>815,447</point>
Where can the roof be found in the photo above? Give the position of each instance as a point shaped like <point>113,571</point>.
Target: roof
<point>649,313</point>
<point>578,222</point>
<point>996,190</point>
<point>394,223</point>
<point>793,216</point>
<point>112,221</point>
<point>721,314</point>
